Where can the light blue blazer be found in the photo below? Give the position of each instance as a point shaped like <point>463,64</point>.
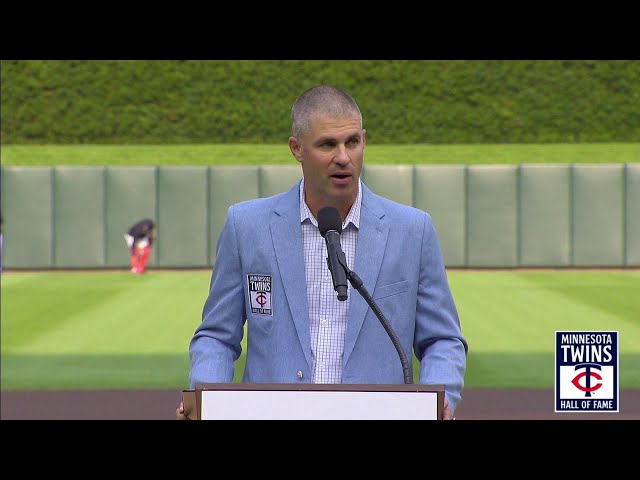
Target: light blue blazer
<point>259,276</point>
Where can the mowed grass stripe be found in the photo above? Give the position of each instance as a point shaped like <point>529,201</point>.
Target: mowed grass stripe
<point>94,372</point>
<point>508,317</point>
<point>102,313</point>
<point>35,306</point>
<point>616,294</point>
<point>515,311</point>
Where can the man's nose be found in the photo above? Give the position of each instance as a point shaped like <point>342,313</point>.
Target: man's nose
<point>342,156</point>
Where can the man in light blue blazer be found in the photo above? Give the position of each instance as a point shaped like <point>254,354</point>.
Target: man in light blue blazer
<point>271,272</point>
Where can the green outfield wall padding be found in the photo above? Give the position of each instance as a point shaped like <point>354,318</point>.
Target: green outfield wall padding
<point>227,185</point>
<point>79,217</point>
<point>274,179</point>
<point>598,215</point>
<point>493,216</point>
<point>182,225</point>
<point>440,191</point>
<point>130,196</point>
<point>27,212</point>
<point>492,209</point>
<point>394,182</point>
<point>632,216</point>
<point>545,215</point>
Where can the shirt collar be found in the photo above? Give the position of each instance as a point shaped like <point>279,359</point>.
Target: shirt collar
<point>352,217</point>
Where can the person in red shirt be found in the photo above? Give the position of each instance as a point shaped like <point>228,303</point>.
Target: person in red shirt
<point>139,239</point>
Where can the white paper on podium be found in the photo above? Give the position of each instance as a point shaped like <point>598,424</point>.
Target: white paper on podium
<point>317,405</point>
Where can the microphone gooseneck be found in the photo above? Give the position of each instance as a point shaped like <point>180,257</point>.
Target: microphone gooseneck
<point>330,226</point>
<point>358,285</point>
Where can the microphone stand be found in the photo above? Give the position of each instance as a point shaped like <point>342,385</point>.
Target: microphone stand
<point>358,285</point>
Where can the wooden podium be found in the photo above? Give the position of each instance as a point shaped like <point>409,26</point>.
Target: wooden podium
<point>288,401</point>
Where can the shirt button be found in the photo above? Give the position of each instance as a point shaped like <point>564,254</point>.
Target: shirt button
<point>323,321</point>
<point>299,374</point>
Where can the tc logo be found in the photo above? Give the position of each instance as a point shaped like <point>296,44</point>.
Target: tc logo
<point>261,298</point>
<point>588,374</point>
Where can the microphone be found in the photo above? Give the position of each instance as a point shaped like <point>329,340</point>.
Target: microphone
<point>330,226</point>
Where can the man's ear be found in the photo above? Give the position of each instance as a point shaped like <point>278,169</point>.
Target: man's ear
<point>296,148</point>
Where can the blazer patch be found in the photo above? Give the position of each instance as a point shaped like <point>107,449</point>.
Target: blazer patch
<point>259,289</point>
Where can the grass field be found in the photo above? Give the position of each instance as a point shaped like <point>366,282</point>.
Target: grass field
<point>112,329</point>
<point>126,155</point>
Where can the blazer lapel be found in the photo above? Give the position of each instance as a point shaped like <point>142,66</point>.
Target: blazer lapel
<point>372,240</point>
<point>287,241</point>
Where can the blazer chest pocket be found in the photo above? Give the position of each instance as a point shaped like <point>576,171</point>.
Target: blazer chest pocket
<point>390,289</point>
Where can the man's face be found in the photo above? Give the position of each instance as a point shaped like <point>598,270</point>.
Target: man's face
<point>331,154</point>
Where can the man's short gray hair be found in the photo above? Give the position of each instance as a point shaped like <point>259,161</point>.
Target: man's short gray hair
<point>325,100</point>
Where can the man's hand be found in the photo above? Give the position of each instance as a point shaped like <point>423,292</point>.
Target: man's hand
<point>447,414</point>
<point>180,412</point>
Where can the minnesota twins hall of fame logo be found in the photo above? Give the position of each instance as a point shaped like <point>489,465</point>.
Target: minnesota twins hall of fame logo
<point>587,372</point>
<point>259,287</point>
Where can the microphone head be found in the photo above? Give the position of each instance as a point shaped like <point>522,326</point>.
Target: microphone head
<point>329,219</point>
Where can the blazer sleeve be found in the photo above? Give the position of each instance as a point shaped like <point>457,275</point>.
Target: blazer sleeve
<point>438,343</point>
<point>216,343</point>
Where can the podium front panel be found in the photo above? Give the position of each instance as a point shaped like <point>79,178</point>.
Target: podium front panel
<point>319,402</point>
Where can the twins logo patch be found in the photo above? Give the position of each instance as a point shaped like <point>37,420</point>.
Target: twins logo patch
<point>259,288</point>
<point>587,371</point>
